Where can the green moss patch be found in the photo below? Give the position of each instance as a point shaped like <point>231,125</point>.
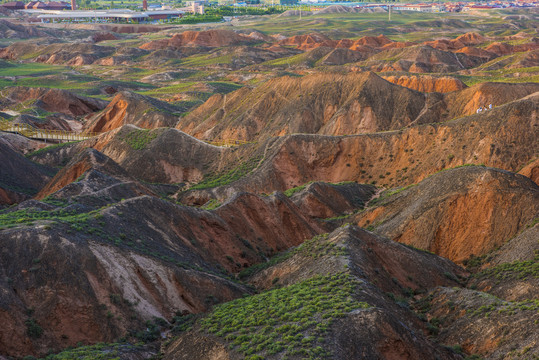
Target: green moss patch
<point>512,271</point>
<point>291,320</point>
<point>139,139</point>
<point>314,248</point>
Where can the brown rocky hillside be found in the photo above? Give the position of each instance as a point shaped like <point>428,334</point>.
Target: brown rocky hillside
<point>210,38</point>
<point>321,103</point>
<point>427,83</point>
<point>504,137</point>
<point>458,213</point>
<point>371,332</point>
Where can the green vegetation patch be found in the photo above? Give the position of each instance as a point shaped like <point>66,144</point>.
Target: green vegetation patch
<point>235,174</point>
<point>211,204</point>
<point>315,248</point>
<point>512,271</point>
<point>99,351</point>
<point>505,307</point>
<point>29,216</point>
<point>49,148</point>
<point>31,69</point>
<point>206,59</point>
<point>292,191</point>
<point>291,320</point>
<point>139,139</point>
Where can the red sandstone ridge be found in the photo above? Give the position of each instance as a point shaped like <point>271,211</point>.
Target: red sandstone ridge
<point>331,104</point>
<point>336,104</point>
<point>504,137</point>
<point>532,171</point>
<point>417,59</point>
<point>88,159</point>
<point>304,42</point>
<point>53,100</point>
<point>468,39</point>
<point>467,101</point>
<point>427,83</point>
<point>501,49</point>
<point>457,213</point>
<point>131,108</point>
<point>209,38</point>
<point>314,40</point>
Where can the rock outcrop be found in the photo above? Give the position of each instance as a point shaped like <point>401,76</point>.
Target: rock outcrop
<point>427,83</point>
<point>208,38</point>
<point>135,109</point>
<point>458,213</point>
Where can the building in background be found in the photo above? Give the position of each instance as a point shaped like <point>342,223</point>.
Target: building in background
<point>36,5</point>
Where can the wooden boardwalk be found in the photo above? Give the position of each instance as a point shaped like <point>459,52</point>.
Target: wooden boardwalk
<point>44,134</point>
<point>59,135</point>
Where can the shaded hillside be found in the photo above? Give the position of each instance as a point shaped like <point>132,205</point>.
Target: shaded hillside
<point>85,161</point>
<point>52,100</point>
<point>20,178</point>
<point>322,103</point>
<point>323,200</point>
<point>458,213</point>
<point>102,288</point>
<point>160,155</point>
<point>328,304</point>
<point>116,259</point>
<point>483,324</point>
<point>131,108</point>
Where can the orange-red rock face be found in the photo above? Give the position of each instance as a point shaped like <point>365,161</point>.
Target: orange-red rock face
<point>427,83</point>
<point>209,38</point>
<point>458,213</point>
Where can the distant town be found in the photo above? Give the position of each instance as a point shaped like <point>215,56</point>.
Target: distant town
<point>60,11</point>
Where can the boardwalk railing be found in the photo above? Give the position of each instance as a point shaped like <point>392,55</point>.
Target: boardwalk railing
<point>44,134</point>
